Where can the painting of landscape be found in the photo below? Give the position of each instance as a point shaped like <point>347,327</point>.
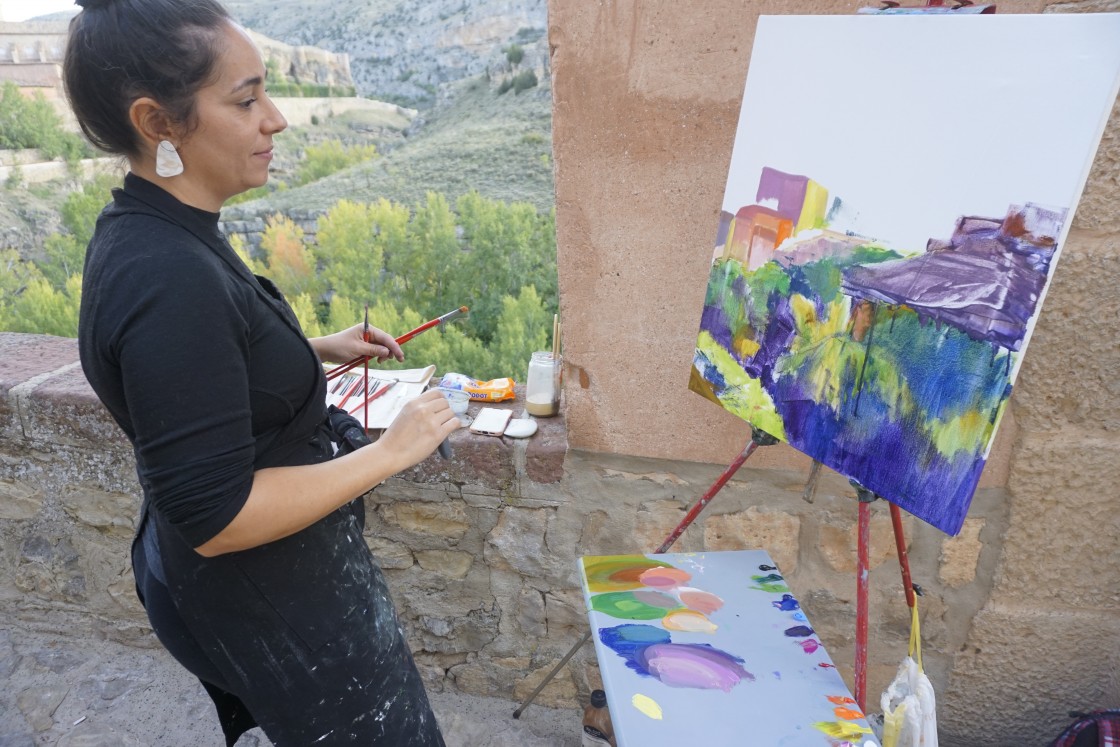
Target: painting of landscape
<point>870,305</point>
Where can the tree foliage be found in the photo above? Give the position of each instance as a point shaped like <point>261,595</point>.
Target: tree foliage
<point>329,157</point>
<point>409,264</point>
<point>33,123</point>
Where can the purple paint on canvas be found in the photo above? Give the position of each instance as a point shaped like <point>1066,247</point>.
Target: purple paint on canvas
<point>695,665</point>
<point>985,281</point>
<point>788,189</point>
<point>650,652</point>
<point>799,631</point>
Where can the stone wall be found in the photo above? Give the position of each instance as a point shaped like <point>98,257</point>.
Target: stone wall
<point>481,551</point>
<point>1021,621</point>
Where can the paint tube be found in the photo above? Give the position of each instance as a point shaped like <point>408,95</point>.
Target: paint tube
<point>494,390</point>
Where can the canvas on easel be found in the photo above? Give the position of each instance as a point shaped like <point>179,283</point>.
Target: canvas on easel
<point>899,192</point>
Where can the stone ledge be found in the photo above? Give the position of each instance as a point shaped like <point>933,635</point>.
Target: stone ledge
<point>44,397</point>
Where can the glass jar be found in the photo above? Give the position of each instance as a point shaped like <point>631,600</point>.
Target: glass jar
<point>542,385</point>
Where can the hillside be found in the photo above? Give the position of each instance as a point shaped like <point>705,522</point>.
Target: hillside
<point>402,50</point>
<point>499,145</point>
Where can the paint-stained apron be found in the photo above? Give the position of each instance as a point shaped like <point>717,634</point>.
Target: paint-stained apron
<point>300,634</point>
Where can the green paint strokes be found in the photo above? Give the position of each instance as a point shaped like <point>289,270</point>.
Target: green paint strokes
<point>625,605</point>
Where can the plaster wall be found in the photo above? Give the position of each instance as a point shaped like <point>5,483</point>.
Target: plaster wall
<point>646,100</point>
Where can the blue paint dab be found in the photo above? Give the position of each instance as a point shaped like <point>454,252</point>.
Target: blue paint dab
<point>787,603</point>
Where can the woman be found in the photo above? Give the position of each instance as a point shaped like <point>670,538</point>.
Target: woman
<point>249,558</point>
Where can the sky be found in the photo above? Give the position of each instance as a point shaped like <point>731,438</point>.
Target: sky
<point>913,122</point>
<point>21,10</point>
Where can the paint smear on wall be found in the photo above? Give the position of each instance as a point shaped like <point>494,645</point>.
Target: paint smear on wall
<point>647,705</point>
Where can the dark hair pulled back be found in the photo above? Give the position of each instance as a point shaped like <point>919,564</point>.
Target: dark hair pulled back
<point>122,50</point>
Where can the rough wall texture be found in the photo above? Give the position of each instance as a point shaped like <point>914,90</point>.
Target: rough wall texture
<point>480,551</point>
<point>646,104</point>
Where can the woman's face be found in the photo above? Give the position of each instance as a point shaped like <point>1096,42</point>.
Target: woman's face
<point>230,149</point>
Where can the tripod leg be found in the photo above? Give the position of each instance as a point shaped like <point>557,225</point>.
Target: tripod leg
<point>555,671</point>
<point>757,438</point>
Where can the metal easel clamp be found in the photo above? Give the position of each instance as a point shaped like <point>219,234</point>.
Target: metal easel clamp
<point>762,438</point>
<point>863,494</point>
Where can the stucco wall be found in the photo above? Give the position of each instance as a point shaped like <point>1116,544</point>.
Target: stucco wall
<point>646,104</point>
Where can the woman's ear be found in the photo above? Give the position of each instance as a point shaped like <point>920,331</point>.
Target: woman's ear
<point>150,121</point>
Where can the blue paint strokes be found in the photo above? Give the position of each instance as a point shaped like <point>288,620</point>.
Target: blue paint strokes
<point>799,631</point>
<point>629,641</point>
<point>787,602</point>
<point>799,616</point>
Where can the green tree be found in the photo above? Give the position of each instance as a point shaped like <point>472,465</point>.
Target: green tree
<point>514,54</point>
<point>348,251</point>
<point>33,123</point>
<point>423,267</point>
<point>331,156</point>
<point>307,314</point>
<point>46,310</point>
<point>524,327</point>
<point>290,265</point>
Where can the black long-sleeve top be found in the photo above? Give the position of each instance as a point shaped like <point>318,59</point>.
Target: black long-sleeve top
<point>201,363</point>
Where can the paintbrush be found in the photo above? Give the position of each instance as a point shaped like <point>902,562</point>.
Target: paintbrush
<point>377,393</point>
<point>365,338</point>
<point>428,325</point>
<point>344,367</point>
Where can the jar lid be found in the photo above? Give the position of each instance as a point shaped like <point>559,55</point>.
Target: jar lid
<point>598,698</point>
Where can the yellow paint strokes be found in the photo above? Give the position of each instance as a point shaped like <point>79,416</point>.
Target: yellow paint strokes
<point>688,621</point>
<point>842,729</point>
<point>814,208</point>
<point>962,432</point>
<point>647,705</point>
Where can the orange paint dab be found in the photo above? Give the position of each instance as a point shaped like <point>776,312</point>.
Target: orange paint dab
<point>841,700</point>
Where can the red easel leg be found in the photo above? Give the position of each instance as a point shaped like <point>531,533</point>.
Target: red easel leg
<point>861,604</point>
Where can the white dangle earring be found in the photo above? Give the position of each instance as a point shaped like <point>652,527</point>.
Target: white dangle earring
<point>168,163</point>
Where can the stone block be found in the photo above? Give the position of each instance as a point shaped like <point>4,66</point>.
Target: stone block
<point>961,554</point>
<point>1063,518</point>
<point>561,692</point>
<point>531,613</point>
<point>546,450</point>
<point>657,519</point>
<point>1023,670</point>
<point>19,500</point>
<point>389,554</point>
<point>564,608</point>
<point>517,543</point>
<point>839,540</point>
<point>448,563</point>
<point>110,512</point>
<point>774,531</point>
<point>39,704</point>
<point>447,520</point>
<point>1078,388</point>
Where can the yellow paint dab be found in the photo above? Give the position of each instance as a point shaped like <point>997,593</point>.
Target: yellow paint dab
<point>842,729</point>
<point>647,705</point>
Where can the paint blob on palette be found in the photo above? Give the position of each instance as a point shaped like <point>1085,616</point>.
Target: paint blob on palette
<point>709,647</point>
<point>877,273</point>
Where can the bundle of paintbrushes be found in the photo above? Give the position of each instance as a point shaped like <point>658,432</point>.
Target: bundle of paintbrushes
<point>364,359</point>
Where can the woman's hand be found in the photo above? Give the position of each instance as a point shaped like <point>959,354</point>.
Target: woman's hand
<point>421,426</point>
<point>348,344</point>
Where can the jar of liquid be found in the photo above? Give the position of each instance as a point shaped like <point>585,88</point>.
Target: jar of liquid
<point>597,728</point>
<point>542,385</point>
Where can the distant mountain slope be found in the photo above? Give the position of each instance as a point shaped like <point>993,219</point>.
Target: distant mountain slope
<point>403,50</point>
<point>498,145</point>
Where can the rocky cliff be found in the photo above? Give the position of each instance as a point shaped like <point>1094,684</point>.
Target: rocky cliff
<point>404,50</point>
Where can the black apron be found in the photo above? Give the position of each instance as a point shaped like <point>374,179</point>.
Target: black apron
<point>299,635</point>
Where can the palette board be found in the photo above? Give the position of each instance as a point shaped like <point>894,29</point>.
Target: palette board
<point>713,649</point>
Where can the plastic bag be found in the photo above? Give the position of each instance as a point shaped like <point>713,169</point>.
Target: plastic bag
<point>909,705</point>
